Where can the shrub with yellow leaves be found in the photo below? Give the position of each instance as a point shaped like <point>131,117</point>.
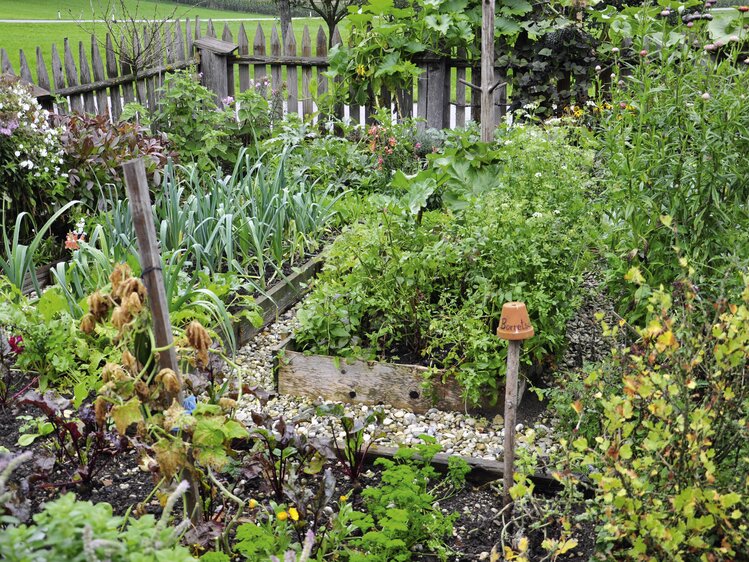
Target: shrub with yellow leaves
<point>672,455</point>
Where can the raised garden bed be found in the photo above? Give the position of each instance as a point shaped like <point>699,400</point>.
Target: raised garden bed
<point>372,382</point>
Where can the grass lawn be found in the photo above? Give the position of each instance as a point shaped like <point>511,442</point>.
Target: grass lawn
<point>82,9</point>
<point>27,36</point>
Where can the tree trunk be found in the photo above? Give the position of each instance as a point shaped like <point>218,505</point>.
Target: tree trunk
<point>331,23</point>
<point>284,11</point>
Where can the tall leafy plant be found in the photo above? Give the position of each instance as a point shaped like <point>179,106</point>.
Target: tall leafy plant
<point>674,145</point>
<point>17,260</point>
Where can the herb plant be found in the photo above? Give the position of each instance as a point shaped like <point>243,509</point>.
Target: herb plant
<point>424,280</point>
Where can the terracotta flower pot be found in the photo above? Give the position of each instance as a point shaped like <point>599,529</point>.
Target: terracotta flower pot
<point>514,324</point>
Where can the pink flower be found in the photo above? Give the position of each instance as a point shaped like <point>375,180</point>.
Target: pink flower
<point>392,141</point>
<point>417,146</point>
<point>227,100</point>
<point>71,242</point>
<point>15,343</point>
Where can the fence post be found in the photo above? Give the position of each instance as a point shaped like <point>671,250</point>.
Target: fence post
<point>214,65</point>
<point>488,123</point>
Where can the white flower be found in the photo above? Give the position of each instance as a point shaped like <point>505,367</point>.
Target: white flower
<point>537,215</point>
<point>17,153</point>
<point>537,174</point>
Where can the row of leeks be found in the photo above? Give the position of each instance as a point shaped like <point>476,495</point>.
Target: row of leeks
<point>247,225</point>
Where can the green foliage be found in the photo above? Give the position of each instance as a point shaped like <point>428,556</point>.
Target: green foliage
<point>190,117</point>
<point>67,529</point>
<point>674,146</point>
<point>508,223</point>
<point>212,435</point>
<point>670,459</point>
<point>386,36</point>
<point>548,53</point>
<point>204,133</point>
<point>256,541</point>
<point>17,259</point>
<point>228,234</point>
<point>54,350</point>
<point>401,515</point>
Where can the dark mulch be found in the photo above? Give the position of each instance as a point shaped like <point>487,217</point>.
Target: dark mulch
<point>124,485</point>
<point>120,483</point>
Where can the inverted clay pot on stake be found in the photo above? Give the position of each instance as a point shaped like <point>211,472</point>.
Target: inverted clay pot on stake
<point>514,326</point>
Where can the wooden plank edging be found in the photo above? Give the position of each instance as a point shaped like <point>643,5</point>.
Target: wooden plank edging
<point>43,276</point>
<point>482,470</point>
<point>278,300</point>
<point>372,382</point>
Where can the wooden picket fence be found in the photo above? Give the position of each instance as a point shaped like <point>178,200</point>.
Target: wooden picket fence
<point>104,84</point>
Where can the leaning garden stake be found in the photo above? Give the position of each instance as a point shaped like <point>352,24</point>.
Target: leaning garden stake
<point>153,278</point>
<point>514,326</point>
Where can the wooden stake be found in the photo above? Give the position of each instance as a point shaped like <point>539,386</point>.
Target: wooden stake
<point>153,278</point>
<point>150,260</point>
<point>511,407</point>
<point>487,71</point>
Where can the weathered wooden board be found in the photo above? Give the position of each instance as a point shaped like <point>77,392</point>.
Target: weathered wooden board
<point>43,277</point>
<point>371,382</point>
<point>279,299</point>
